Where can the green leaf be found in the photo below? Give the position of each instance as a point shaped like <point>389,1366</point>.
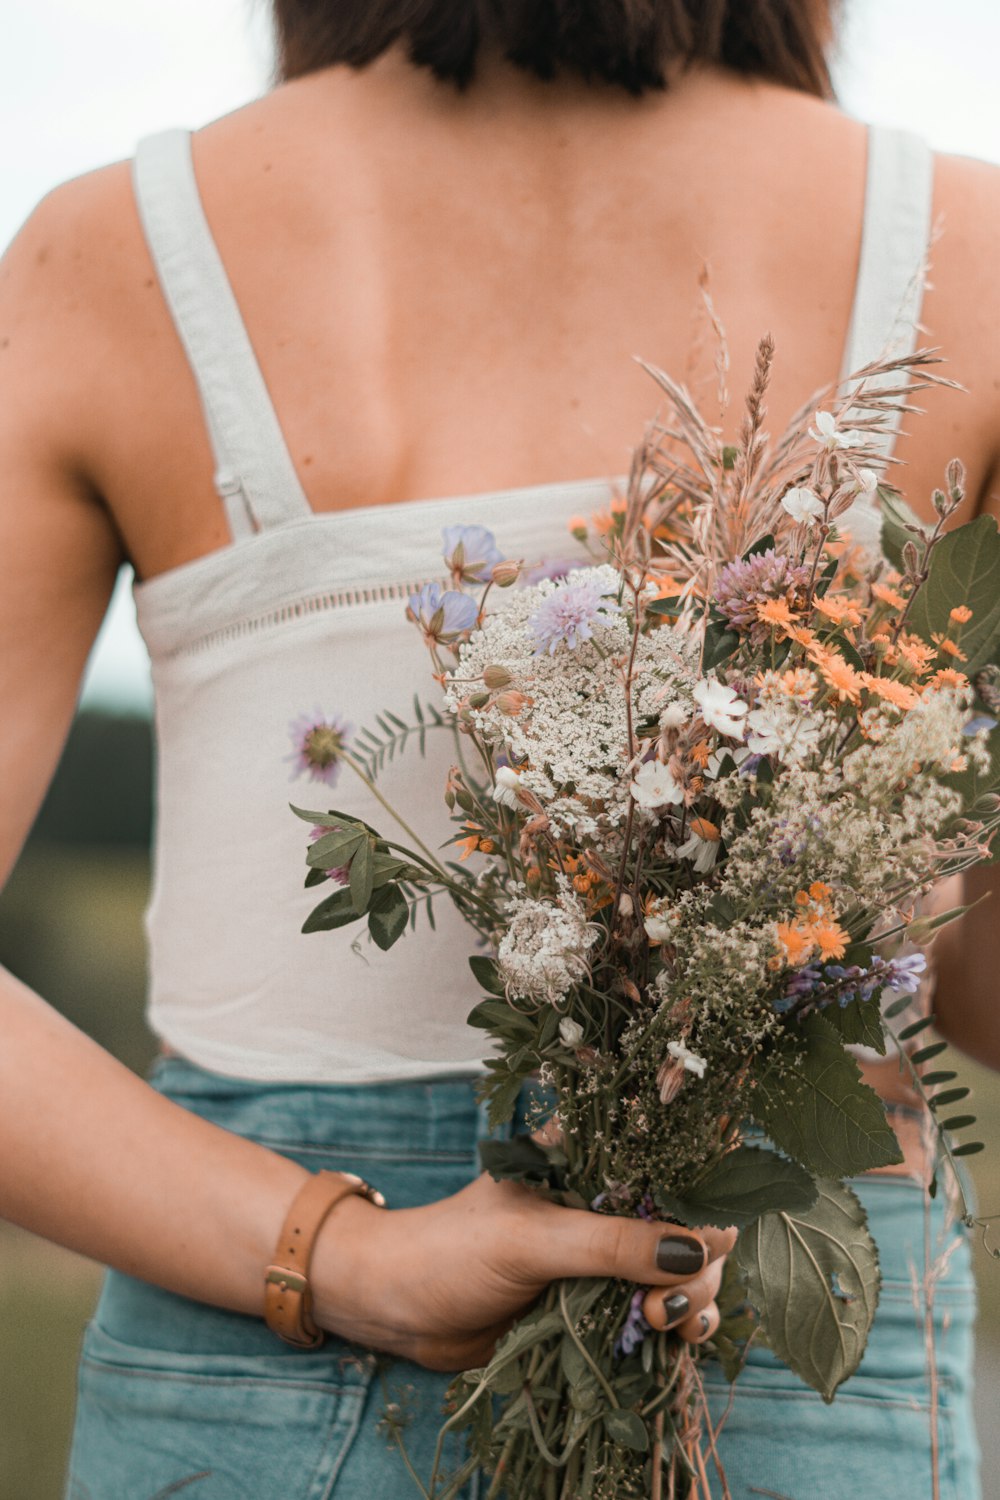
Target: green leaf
<point>487,974</point>
<point>948,1096</point>
<point>927,1053</point>
<point>335,849</point>
<point>336,911</point>
<point>762,544</point>
<point>859,1023</point>
<point>315,877</point>
<point>499,1017</point>
<point>581,1294</point>
<point>720,644</point>
<point>387,916</point>
<point>964,569</point>
<point>819,1112</point>
<point>520,1159</point>
<point>915,1028</point>
<point>958,1122</point>
<point>311,817</point>
<point>814,1280</point>
<point>969,1149</point>
<point>500,1088</point>
<point>746,1183</point>
<point>943,1075</point>
<point>899,525</point>
<point>627,1428</point>
<point>362,873</point>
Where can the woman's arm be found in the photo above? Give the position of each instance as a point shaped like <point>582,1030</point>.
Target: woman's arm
<point>91,1156</point>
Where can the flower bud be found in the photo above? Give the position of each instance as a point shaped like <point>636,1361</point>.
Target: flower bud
<point>478,700</point>
<point>625,907</point>
<point>571,1032</point>
<point>512,703</point>
<point>496,678</point>
<point>506,573</point>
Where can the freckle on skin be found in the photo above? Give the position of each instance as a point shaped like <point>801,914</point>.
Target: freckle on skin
<point>42,255</point>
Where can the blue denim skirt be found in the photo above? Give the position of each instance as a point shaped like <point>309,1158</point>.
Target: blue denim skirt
<point>178,1398</point>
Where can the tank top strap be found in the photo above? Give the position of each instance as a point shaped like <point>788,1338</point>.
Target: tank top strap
<point>255,476</point>
<point>895,243</point>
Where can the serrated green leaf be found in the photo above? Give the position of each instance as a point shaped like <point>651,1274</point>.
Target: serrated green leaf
<point>964,570</point>
<point>387,916</point>
<point>746,1183</point>
<point>627,1428</point>
<point>820,1113</point>
<point>859,1023</point>
<point>814,1281</point>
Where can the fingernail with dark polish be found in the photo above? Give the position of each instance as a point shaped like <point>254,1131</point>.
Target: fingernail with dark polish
<point>676,1308</point>
<point>706,1323</point>
<point>680,1255</point>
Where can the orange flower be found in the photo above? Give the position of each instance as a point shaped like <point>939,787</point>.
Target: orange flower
<point>470,844</point>
<point>705,829</point>
<point>888,596</point>
<point>891,691</point>
<point>577,527</point>
<point>802,635</point>
<point>798,945</point>
<point>820,891</point>
<point>839,611</point>
<point>838,674</point>
<point>700,753</point>
<point>961,614</point>
<point>949,648</point>
<point>948,677</point>
<point>832,939</point>
<point>774,612</point>
<point>916,653</point>
<point>801,898</point>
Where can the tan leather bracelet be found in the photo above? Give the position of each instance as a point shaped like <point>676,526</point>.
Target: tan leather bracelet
<point>287,1293</point>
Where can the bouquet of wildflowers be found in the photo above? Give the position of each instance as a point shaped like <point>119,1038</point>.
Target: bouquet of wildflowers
<point>706,779</point>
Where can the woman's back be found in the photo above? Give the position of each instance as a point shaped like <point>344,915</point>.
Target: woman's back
<point>445,292</point>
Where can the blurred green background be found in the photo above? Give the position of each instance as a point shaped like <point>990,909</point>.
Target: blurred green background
<point>71,927</point>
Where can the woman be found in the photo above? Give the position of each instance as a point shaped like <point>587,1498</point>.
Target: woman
<point>440,291</point>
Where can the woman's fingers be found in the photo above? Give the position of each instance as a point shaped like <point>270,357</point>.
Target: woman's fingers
<point>575,1242</point>
<point>678,1307</point>
<point>700,1327</point>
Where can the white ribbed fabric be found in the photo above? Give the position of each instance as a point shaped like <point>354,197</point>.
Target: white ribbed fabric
<point>305,611</point>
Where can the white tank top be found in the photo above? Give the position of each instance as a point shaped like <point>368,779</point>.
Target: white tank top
<point>304,613</point>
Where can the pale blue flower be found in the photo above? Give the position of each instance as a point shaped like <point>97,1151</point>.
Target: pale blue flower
<point>471,553</point>
<point>442,614</point>
<point>569,614</point>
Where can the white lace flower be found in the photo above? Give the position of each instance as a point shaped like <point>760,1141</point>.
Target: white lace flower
<point>674,715</point>
<point>690,1060</point>
<point>656,786</point>
<point>782,729</point>
<point>721,707</point>
<point>802,504</point>
<point>543,953</point>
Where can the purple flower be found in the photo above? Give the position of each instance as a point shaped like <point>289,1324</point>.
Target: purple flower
<point>568,615</point>
<point>471,553</point>
<point>442,614</point>
<point>745,583</point>
<point>319,746</point>
<point>636,1327</point>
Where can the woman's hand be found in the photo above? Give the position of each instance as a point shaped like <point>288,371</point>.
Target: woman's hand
<point>442,1283</point>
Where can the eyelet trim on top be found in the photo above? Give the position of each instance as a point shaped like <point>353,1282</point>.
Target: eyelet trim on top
<point>314,604</point>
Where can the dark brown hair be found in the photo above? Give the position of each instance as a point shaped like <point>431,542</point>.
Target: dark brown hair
<point>632,43</point>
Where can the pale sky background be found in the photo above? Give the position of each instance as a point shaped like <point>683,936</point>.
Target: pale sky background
<point>82,80</point>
